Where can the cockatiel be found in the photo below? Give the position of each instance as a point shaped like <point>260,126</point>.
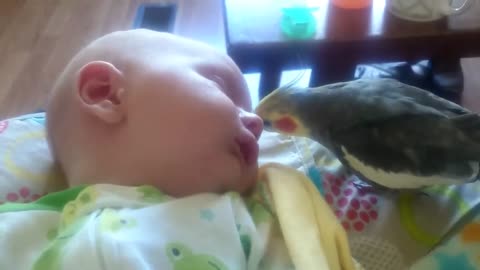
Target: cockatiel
<point>396,135</point>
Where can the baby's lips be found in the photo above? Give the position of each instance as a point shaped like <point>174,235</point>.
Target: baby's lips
<point>249,149</point>
<point>252,122</point>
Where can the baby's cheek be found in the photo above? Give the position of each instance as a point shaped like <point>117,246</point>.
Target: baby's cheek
<point>129,182</point>
<point>93,181</point>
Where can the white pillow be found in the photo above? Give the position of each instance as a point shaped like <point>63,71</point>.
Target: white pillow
<point>26,167</point>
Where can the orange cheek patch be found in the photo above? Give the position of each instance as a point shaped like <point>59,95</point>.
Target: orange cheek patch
<point>285,124</point>
<point>471,233</point>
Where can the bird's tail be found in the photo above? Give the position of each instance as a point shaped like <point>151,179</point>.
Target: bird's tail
<point>478,175</point>
<point>469,124</point>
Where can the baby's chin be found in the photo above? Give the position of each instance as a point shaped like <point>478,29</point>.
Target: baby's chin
<point>249,179</point>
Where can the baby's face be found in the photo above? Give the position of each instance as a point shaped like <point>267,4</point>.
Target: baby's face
<point>188,124</point>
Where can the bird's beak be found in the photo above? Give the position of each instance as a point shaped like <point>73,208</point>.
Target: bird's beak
<point>267,125</point>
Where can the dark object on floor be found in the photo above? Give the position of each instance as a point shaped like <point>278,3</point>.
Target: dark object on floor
<point>446,82</point>
<point>158,17</point>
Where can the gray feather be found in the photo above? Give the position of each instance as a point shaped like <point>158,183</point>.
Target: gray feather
<point>393,126</point>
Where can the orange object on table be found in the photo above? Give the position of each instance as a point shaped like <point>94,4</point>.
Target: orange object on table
<point>352,4</point>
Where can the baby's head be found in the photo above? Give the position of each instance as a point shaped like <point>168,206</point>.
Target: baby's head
<point>141,107</point>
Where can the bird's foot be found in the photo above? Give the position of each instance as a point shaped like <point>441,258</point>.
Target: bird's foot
<point>364,188</point>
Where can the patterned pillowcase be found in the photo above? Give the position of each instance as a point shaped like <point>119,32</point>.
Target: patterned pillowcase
<point>27,170</point>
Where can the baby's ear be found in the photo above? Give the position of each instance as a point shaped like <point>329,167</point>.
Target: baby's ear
<point>101,91</point>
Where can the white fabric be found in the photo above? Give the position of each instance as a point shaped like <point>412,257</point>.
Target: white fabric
<point>114,227</point>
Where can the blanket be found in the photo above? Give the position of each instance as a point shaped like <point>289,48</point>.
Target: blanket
<point>283,224</point>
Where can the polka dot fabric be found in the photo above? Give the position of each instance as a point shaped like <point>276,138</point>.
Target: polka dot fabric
<point>26,166</point>
<point>353,206</point>
<point>387,229</point>
<point>3,125</point>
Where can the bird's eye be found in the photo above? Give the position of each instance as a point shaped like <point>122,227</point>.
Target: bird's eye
<point>285,124</point>
<point>267,124</point>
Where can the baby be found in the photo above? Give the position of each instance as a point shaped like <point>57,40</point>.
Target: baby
<point>142,107</point>
<point>159,148</point>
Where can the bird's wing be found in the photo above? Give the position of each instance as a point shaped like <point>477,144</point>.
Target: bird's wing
<point>396,127</point>
<point>422,144</point>
<point>354,108</point>
<point>424,97</point>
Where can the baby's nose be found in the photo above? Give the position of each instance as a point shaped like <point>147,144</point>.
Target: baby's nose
<point>252,122</point>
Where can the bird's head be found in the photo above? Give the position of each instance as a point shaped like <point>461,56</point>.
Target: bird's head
<point>279,111</point>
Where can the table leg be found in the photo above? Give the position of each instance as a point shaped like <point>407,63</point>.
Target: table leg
<point>269,79</point>
<point>331,71</point>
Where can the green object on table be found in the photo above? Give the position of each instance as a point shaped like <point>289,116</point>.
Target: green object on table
<point>298,22</point>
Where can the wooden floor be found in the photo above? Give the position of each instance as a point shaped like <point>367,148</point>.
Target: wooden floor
<point>38,37</point>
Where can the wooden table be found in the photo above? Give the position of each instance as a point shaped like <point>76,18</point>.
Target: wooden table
<point>343,39</point>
